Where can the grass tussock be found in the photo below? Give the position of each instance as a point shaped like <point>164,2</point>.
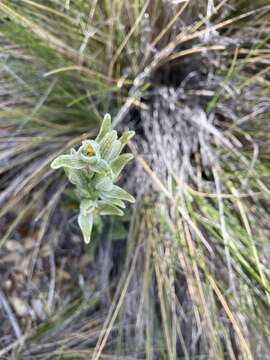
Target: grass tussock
<point>184,274</point>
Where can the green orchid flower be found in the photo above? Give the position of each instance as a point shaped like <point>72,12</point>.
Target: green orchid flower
<point>93,169</point>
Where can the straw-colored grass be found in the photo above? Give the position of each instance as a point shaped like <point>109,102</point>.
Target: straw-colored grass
<point>185,274</point>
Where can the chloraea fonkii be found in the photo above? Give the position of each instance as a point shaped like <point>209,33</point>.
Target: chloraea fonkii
<point>93,169</point>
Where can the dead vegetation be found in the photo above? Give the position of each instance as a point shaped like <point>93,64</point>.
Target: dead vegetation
<point>185,274</point>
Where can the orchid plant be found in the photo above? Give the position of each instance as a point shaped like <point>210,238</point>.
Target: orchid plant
<point>93,169</point>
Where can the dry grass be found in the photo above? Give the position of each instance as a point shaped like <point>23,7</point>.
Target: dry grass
<point>185,274</point>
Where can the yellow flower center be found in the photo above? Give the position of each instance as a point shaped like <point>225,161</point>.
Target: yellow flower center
<point>90,150</point>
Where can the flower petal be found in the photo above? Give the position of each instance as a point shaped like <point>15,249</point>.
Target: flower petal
<point>83,151</point>
<point>93,144</point>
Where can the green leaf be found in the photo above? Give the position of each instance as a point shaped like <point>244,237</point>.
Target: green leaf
<point>87,205</point>
<point>113,201</point>
<point>100,167</point>
<point>104,184</point>
<point>125,138</point>
<point>106,144</point>
<point>106,126</point>
<point>119,193</point>
<point>86,224</point>
<point>115,150</point>
<point>81,193</point>
<point>119,163</point>
<point>76,177</point>
<point>108,209</point>
<point>69,161</point>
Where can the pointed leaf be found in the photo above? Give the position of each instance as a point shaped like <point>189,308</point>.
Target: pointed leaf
<point>86,225</point>
<point>119,193</point>
<point>69,161</point>
<point>108,209</point>
<point>106,144</point>
<point>115,150</point>
<point>106,126</point>
<point>119,163</point>
<point>113,201</point>
<point>125,138</point>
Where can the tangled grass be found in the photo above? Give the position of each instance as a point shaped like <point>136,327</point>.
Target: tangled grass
<point>184,275</point>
